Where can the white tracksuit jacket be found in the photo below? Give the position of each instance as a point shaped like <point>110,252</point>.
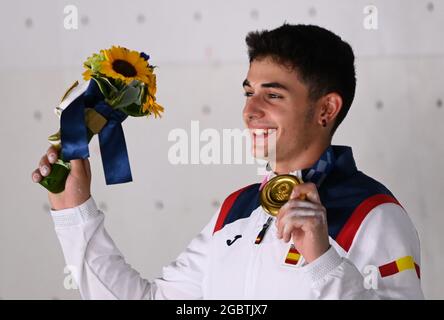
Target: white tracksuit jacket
<point>381,261</point>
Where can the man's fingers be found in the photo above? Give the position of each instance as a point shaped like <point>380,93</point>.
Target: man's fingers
<point>52,154</point>
<point>292,226</point>
<point>294,204</point>
<point>286,234</point>
<point>297,218</point>
<point>299,214</point>
<point>308,189</point>
<point>36,176</point>
<point>44,166</point>
<point>289,227</point>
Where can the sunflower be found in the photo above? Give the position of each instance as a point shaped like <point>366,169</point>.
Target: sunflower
<point>125,65</point>
<point>121,63</point>
<point>151,106</point>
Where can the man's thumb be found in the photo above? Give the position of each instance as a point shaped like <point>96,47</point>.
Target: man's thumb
<point>87,166</point>
<point>78,167</point>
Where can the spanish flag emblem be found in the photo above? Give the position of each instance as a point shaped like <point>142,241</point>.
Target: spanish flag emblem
<point>399,265</point>
<point>293,256</point>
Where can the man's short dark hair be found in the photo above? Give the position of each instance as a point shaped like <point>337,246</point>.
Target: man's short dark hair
<point>324,62</point>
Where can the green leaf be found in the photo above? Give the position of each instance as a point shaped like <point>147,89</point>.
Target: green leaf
<point>55,181</point>
<point>55,136</point>
<point>102,86</point>
<point>106,87</point>
<point>141,96</point>
<point>109,84</point>
<point>126,97</point>
<point>133,110</point>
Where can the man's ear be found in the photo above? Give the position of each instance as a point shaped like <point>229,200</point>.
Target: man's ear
<point>331,105</point>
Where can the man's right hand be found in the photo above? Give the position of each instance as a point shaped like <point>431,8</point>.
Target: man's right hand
<point>78,184</point>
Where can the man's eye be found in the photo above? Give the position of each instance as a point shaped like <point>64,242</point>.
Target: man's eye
<point>248,94</point>
<point>274,96</point>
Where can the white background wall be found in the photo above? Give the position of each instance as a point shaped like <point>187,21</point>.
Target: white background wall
<point>394,126</point>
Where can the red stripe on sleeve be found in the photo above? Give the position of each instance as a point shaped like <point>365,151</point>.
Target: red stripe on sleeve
<point>348,232</point>
<point>388,269</point>
<point>418,271</point>
<point>225,209</point>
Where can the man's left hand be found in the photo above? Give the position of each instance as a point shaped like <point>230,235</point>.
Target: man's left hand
<point>305,221</point>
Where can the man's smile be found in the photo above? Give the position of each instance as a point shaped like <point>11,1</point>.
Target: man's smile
<point>263,131</point>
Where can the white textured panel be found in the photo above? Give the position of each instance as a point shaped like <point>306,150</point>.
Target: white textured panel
<point>394,126</point>
<point>205,31</point>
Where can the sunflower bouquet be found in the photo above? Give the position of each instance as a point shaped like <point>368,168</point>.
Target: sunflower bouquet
<point>118,83</point>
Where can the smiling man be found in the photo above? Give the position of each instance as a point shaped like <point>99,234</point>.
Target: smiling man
<point>342,235</point>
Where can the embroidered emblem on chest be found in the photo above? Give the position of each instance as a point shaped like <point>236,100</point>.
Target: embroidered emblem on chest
<point>293,256</point>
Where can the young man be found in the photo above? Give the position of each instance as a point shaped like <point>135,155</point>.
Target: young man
<point>348,239</point>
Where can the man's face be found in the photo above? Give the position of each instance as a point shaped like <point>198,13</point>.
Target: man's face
<point>278,102</point>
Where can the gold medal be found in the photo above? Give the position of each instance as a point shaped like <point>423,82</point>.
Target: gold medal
<point>277,191</point>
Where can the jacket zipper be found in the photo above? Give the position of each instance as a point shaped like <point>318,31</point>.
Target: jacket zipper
<point>251,280</point>
<point>265,227</point>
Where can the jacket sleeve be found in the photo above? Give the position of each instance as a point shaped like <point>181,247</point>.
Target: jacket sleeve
<point>383,261</point>
<point>99,268</point>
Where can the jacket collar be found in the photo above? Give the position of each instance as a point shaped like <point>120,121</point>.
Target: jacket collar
<point>338,157</point>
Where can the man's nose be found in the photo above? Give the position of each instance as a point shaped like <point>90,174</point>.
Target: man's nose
<point>253,109</point>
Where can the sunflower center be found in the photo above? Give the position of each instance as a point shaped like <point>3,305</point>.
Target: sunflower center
<point>125,68</point>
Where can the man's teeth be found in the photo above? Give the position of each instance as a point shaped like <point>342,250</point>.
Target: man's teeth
<point>260,132</point>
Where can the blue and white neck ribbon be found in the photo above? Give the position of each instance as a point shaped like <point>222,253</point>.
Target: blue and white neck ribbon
<point>320,170</point>
<point>316,174</point>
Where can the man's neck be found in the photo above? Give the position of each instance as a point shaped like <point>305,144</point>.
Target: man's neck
<point>306,159</point>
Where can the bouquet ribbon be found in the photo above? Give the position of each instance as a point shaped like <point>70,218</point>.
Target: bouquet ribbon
<point>74,135</point>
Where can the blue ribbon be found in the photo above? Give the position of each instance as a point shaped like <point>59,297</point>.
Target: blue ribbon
<point>111,138</point>
<point>73,131</point>
<point>112,145</point>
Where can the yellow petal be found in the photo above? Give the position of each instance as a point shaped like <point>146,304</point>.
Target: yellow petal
<point>87,74</point>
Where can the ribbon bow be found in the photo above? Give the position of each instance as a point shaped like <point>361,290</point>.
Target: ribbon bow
<point>74,135</point>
